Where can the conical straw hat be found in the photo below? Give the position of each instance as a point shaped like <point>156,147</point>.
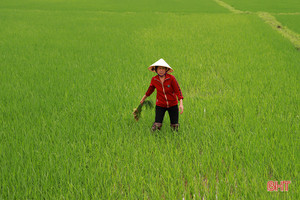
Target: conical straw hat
<point>162,63</point>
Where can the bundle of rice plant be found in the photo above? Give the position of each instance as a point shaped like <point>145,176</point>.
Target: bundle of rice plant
<point>137,111</point>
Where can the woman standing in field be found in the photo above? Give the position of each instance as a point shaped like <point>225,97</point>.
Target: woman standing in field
<point>168,90</point>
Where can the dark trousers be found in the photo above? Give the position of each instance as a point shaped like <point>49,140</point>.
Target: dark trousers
<point>160,113</point>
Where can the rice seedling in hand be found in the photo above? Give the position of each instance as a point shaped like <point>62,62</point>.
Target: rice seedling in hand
<point>137,111</point>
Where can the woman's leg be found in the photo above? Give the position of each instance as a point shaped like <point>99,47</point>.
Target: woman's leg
<point>173,113</point>
<point>159,117</point>
<point>159,114</point>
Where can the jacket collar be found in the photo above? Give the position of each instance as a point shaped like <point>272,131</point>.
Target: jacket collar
<point>168,76</point>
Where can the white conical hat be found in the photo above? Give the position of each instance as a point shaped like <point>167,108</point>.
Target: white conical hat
<point>162,63</point>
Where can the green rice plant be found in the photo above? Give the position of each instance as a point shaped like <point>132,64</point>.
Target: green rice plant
<point>137,111</point>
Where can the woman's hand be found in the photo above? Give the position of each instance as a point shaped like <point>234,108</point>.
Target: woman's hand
<point>181,107</point>
<point>143,99</point>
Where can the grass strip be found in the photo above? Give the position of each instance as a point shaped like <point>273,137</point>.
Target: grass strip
<point>230,8</point>
<point>271,20</point>
<point>295,13</point>
<point>276,25</point>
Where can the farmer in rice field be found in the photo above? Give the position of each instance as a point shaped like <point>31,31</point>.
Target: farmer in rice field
<point>168,91</point>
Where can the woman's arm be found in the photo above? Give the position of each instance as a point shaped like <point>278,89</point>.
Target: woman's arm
<point>178,92</point>
<point>181,106</point>
<point>143,99</point>
<point>149,92</point>
<point>176,88</point>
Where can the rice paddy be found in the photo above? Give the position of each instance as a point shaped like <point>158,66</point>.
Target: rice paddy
<point>273,6</point>
<point>72,72</point>
<point>291,21</point>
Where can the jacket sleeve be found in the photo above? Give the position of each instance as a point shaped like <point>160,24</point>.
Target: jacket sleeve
<point>177,89</point>
<point>150,89</point>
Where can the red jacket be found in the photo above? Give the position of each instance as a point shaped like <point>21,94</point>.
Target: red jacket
<point>166,92</point>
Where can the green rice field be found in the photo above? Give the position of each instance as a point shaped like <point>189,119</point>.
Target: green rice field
<point>291,21</point>
<point>71,73</point>
<point>273,6</point>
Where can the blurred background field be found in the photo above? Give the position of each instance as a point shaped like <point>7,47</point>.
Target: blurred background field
<point>72,72</point>
<point>273,6</point>
<point>291,21</point>
<point>189,6</point>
